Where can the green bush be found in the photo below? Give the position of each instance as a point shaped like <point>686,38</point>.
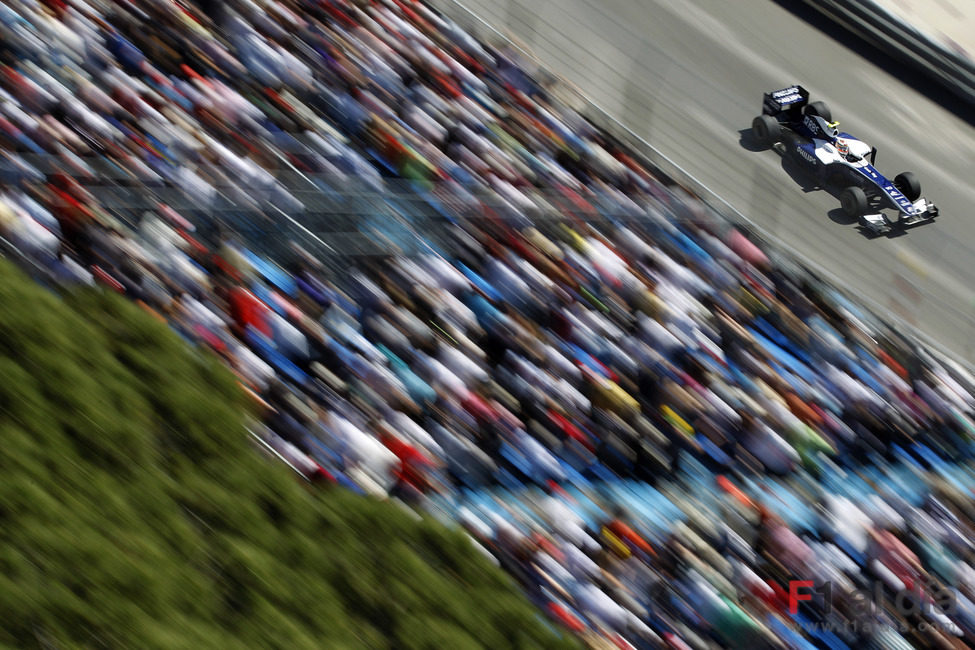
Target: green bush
<point>135,513</point>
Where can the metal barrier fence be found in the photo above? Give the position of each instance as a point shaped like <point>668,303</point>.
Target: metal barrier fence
<point>873,22</point>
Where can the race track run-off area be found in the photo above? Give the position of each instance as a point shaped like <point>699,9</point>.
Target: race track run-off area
<point>688,78</point>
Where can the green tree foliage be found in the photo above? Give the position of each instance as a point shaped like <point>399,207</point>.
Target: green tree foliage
<point>134,512</point>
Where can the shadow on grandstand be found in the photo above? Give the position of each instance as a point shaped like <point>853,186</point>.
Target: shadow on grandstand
<point>909,74</point>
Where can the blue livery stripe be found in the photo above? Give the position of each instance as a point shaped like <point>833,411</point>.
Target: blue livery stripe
<point>870,173</point>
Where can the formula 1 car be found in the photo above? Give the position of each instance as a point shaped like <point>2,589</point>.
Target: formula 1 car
<point>813,141</point>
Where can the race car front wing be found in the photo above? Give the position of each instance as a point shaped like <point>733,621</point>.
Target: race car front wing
<point>924,210</point>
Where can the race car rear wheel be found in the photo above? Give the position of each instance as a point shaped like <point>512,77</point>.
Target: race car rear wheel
<point>854,202</point>
<point>820,109</point>
<point>766,130</point>
<point>908,185</point>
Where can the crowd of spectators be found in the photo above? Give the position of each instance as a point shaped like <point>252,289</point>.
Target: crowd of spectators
<point>652,426</point>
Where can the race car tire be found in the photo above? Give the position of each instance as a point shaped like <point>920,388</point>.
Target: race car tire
<point>908,185</point>
<point>853,201</point>
<point>766,130</point>
<point>820,109</point>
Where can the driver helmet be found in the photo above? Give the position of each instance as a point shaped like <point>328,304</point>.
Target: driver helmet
<point>842,147</point>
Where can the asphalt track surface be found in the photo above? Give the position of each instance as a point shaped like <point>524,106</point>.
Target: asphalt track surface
<point>688,77</point>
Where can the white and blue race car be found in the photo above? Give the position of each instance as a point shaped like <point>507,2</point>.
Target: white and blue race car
<point>813,140</point>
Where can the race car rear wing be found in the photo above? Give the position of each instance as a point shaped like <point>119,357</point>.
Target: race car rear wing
<point>790,99</point>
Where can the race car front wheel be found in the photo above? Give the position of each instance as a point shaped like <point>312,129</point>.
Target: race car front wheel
<point>908,185</point>
<point>766,130</point>
<point>853,201</point>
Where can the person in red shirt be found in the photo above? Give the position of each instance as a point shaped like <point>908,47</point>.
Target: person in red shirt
<point>412,473</point>
<point>246,309</point>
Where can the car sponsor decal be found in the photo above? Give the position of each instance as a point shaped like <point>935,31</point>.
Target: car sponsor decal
<point>792,90</point>
<point>805,154</point>
<point>866,169</point>
<point>902,202</point>
<point>811,124</point>
<point>871,172</point>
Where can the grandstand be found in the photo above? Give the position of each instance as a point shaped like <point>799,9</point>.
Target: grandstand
<point>456,291</point>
